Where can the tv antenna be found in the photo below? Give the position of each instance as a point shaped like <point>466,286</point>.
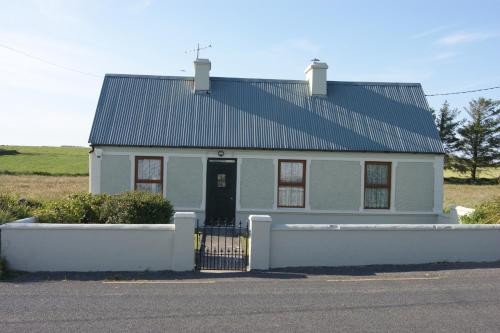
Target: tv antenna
<point>198,49</point>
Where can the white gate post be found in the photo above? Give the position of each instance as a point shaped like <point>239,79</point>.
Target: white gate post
<point>183,259</point>
<point>260,241</point>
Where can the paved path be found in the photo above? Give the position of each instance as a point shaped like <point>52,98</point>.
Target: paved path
<point>433,298</point>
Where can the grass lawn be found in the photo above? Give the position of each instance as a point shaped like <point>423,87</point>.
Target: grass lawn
<point>482,173</point>
<point>43,187</point>
<point>57,161</point>
<point>469,195</point>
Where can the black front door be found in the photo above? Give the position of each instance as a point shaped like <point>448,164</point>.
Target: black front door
<point>221,191</point>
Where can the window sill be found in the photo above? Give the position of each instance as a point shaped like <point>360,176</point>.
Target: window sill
<point>290,209</point>
<point>377,210</point>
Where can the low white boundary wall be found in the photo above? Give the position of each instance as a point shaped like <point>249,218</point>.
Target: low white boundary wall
<point>32,247</point>
<point>299,245</point>
<point>35,247</point>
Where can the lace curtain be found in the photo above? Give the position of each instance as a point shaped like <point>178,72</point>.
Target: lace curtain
<point>148,187</point>
<point>377,197</point>
<point>291,172</point>
<point>290,195</point>
<point>149,169</point>
<point>377,174</point>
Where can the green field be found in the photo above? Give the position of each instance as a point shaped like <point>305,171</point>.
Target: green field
<point>55,161</point>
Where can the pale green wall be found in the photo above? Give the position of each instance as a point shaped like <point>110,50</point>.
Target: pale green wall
<point>257,183</point>
<point>115,174</point>
<point>185,181</point>
<point>335,185</point>
<point>414,186</point>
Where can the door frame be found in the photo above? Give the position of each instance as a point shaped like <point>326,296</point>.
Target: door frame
<point>207,186</point>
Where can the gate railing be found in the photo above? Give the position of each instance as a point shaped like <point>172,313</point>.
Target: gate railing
<point>221,245</point>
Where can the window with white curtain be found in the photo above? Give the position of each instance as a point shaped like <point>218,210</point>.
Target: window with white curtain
<point>377,185</point>
<point>149,174</point>
<point>291,183</point>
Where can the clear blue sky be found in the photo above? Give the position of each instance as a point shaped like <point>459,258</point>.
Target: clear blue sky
<point>445,45</point>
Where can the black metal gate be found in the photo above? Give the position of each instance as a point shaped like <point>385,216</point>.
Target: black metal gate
<point>221,245</point>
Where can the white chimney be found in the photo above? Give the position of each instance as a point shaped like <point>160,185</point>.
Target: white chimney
<point>316,77</point>
<point>202,75</point>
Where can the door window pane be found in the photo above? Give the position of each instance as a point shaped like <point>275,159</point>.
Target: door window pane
<point>221,180</point>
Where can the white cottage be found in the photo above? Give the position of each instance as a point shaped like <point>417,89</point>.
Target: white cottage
<point>302,151</point>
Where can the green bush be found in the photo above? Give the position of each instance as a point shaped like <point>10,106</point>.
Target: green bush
<point>76,208</point>
<point>486,213</point>
<point>13,208</point>
<point>136,208</point>
<point>125,208</point>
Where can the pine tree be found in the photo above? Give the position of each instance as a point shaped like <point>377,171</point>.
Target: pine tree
<point>479,137</point>
<point>447,125</point>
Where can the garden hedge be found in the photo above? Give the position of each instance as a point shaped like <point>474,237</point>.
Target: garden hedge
<point>124,208</point>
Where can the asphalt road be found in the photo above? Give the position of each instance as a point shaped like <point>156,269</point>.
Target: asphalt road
<point>432,298</point>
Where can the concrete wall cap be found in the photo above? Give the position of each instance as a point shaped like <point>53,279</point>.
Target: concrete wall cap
<point>468,226</point>
<point>304,227</point>
<point>260,218</point>
<point>184,215</point>
<point>65,226</point>
<point>382,227</point>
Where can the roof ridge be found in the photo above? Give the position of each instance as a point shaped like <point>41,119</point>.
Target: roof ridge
<point>238,79</point>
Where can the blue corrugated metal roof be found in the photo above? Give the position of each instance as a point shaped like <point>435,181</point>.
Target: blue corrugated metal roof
<point>139,110</point>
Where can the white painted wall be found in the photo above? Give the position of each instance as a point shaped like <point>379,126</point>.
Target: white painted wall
<point>299,215</point>
<point>95,171</point>
<point>352,245</point>
<point>35,247</point>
